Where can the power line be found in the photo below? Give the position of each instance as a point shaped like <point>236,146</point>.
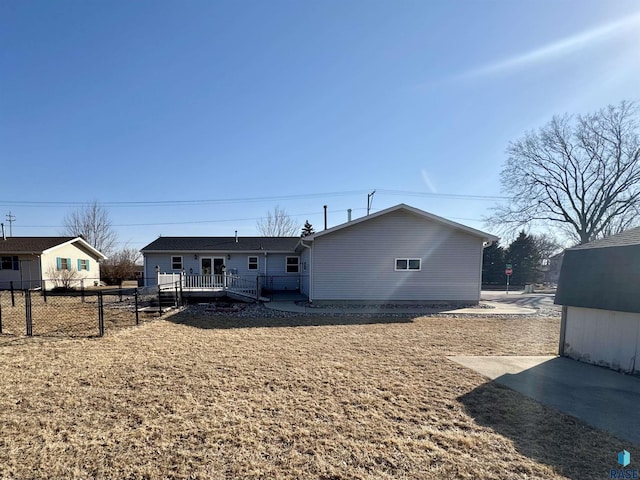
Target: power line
<point>194,222</point>
<point>166,203</point>
<point>221,201</point>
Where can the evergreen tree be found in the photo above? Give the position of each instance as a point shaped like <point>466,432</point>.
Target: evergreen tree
<point>307,229</point>
<point>524,257</point>
<point>493,265</point>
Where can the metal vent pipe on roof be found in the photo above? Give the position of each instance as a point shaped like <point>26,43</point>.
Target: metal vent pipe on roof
<point>349,215</point>
<point>325,217</point>
<point>4,237</point>
<point>236,236</point>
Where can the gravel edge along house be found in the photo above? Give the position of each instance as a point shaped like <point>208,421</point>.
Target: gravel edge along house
<point>401,254</point>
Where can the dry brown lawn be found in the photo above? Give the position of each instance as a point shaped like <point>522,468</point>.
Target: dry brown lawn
<point>308,398</point>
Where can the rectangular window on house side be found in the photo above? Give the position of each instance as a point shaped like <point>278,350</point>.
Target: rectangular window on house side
<point>65,264</point>
<point>404,264</point>
<point>7,263</point>
<point>83,264</point>
<point>293,264</point>
<point>176,263</point>
<point>253,263</point>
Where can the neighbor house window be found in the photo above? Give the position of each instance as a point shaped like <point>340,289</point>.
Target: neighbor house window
<point>176,263</point>
<point>10,263</point>
<point>63,263</point>
<point>408,263</point>
<point>83,264</point>
<point>253,263</point>
<point>293,264</point>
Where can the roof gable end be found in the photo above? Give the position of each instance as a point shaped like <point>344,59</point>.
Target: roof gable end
<point>403,207</point>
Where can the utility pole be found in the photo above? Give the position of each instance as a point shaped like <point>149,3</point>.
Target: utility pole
<point>370,201</point>
<point>11,219</point>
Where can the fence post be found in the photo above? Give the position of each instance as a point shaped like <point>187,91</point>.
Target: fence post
<point>159,301</point>
<point>257,288</point>
<point>0,319</point>
<point>27,309</point>
<point>176,299</point>
<point>135,297</point>
<point>44,290</point>
<point>13,299</point>
<point>82,289</point>
<point>100,314</point>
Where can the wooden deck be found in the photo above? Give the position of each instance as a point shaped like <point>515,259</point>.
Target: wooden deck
<point>212,285</point>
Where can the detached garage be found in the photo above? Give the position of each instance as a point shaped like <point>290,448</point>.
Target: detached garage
<point>599,288</point>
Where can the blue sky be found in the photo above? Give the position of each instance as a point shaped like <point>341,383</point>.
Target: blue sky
<point>198,117</point>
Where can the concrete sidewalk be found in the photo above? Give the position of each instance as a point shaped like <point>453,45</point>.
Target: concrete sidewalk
<point>490,308</point>
<point>602,398</point>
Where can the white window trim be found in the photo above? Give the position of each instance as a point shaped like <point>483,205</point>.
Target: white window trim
<point>84,264</point>
<point>395,265</point>
<point>249,262</point>
<point>181,262</point>
<point>286,265</point>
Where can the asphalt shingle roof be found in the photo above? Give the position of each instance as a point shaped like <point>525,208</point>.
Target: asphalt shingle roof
<point>185,244</point>
<point>623,239</point>
<point>30,244</point>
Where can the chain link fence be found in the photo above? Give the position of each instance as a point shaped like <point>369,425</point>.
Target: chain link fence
<point>83,313</point>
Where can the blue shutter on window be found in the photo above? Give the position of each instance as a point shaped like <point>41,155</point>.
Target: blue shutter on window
<point>16,263</point>
<point>59,263</point>
<point>79,264</point>
<point>68,263</point>
<point>87,264</point>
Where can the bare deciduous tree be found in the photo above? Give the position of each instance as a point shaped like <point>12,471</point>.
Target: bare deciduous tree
<point>546,245</point>
<point>94,225</point>
<point>277,224</point>
<point>120,266</point>
<point>581,173</point>
<point>63,279</point>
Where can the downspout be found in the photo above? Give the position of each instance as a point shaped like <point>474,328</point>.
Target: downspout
<point>310,270</point>
<point>42,285</point>
<point>481,265</point>
<point>266,269</point>
<point>144,269</point>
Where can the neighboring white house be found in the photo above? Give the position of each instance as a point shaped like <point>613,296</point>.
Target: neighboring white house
<point>598,288</point>
<point>401,254</point>
<point>32,262</point>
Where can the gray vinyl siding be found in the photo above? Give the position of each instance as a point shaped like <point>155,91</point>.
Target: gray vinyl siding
<point>277,276</point>
<point>273,265</point>
<point>358,262</point>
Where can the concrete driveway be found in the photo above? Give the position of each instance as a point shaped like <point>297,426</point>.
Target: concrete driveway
<point>600,397</point>
<point>538,301</point>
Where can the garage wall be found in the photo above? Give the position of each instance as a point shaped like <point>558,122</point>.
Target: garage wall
<point>603,337</point>
<point>357,263</point>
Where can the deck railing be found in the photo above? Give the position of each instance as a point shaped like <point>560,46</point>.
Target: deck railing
<point>248,286</point>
